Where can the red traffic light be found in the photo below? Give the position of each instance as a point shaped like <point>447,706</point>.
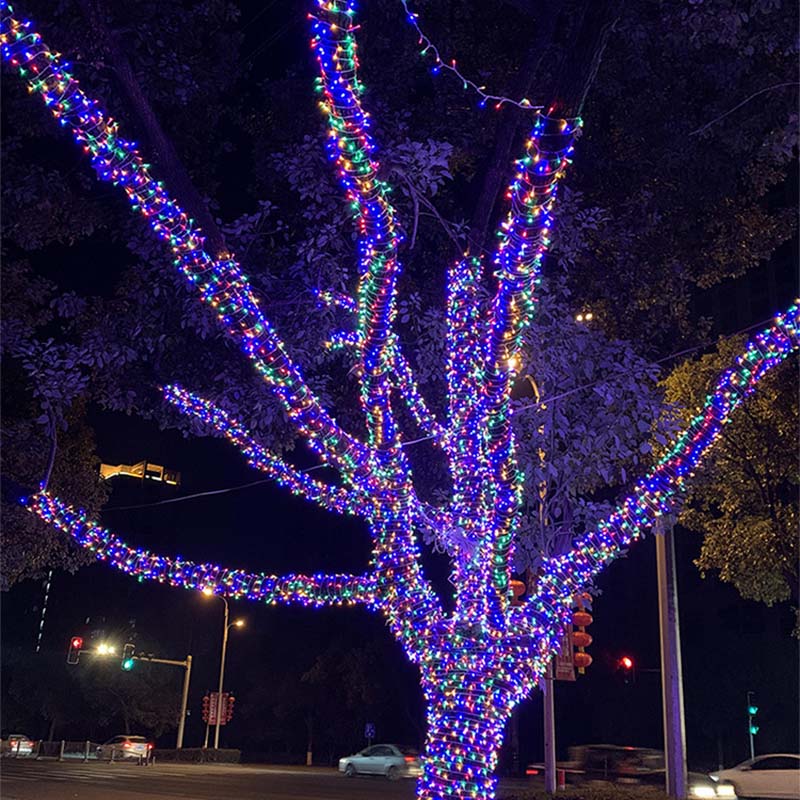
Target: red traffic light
<point>76,643</point>
<point>626,662</point>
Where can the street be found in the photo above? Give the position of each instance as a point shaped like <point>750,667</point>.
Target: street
<point>51,780</point>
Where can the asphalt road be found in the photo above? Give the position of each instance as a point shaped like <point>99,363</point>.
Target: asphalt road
<point>51,780</point>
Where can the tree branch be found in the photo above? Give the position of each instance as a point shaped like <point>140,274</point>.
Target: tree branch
<point>316,590</point>
<point>220,282</point>
<point>169,162</point>
<point>332,498</point>
<point>654,494</point>
<point>351,147</point>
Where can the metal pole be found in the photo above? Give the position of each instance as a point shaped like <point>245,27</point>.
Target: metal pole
<point>184,701</point>
<point>221,675</point>
<point>671,671</point>
<point>750,725</point>
<point>205,741</point>
<point>549,731</point>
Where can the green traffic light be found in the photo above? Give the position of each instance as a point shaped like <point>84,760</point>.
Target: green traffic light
<point>752,710</point>
<point>754,729</point>
<point>127,664</point>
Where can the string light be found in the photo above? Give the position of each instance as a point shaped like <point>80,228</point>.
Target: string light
<point>429,49</point>
<point>478,661</point>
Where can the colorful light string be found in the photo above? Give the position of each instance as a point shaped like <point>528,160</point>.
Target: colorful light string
<point>441,63</point>
<point>477,662</point>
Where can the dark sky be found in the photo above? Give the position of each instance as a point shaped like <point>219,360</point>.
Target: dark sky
<point>730,645</point>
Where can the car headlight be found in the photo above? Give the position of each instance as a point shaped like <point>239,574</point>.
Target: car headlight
<point>726,790</point>
<point>702,791</point>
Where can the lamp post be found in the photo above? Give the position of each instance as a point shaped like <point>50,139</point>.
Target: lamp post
<point>237,623</point>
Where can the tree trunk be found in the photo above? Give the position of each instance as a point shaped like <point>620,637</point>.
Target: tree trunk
<point>469,704</point>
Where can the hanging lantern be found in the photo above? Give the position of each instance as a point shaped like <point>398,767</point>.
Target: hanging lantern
<point>581,639</point>
<point>582,660</point>
<point>580,619</point>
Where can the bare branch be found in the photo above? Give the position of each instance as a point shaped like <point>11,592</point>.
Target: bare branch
<point>704,128</point>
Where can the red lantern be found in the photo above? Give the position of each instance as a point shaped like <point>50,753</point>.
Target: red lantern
<point>582,660</point>
<point>580,619</point>
<point>581,639</point>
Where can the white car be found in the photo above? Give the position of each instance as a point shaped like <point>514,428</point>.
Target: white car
<point>120,747</point>
<point>776,775</point>
<point>17,744</point>
<point>383,759</point>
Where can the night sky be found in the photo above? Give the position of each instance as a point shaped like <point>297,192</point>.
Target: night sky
<point>730,645</point>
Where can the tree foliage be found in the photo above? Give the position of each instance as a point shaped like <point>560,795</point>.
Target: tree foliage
<point>745,505</point>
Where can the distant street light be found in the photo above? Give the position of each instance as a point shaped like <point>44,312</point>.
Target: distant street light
<point>237,623</point>
<point>105,649</point>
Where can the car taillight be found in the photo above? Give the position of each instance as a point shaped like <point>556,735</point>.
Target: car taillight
<point>149,746</point>
<point>531,771</point>
<point>127,745</point>
<point>410,759</point>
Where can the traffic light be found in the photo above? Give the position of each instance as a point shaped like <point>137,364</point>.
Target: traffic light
<point>751,723</point>
<point>229,707</point>
<point>128,659</point>
<point>627,665</point>
<point>206,707</point>
<point>75,647</point>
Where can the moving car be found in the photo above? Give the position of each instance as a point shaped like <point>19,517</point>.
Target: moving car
<point>776,775</point>
<point>17,744</point>
<point>389,760</point>
<point>126,746</point>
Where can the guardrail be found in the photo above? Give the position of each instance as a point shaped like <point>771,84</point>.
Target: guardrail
<point>65,750</point>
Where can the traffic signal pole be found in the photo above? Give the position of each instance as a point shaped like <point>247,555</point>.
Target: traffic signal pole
<point>187,665</point>
<point>671,671</point>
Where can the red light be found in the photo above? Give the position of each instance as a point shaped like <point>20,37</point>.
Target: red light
<point>531,771</point>
<point>410,759</point>
<point>126,745</point>
<point>626,662</point>
<point>76,643</point>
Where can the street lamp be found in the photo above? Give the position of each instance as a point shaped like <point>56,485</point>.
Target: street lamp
<point>237,623</point>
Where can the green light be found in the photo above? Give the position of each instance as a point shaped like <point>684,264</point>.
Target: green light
<point>752,710</point>
<point>127,664</point>
<point>754,729</point>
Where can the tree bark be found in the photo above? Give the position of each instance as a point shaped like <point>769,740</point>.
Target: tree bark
<point>169,164</point>
<point>584,32</point>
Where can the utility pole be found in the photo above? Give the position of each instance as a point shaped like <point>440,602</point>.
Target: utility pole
<point>671,672</point>
<point>548,693</point>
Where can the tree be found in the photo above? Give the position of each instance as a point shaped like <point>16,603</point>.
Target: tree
<point>479,660</point>
<point>749,518</point>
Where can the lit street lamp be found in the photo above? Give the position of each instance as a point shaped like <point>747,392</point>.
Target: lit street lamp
<point>237,623</point>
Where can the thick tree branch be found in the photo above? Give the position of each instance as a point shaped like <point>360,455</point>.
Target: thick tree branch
<point>169,162</point>
<point>351,147</point>
<point>315,590</point>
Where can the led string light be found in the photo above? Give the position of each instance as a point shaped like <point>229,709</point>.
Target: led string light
<point>440,63</point>
<point>332,498</point>
<point>351,148</point>
<point>478,662</point>
<point>523,240</point>
<point>313,590</point>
